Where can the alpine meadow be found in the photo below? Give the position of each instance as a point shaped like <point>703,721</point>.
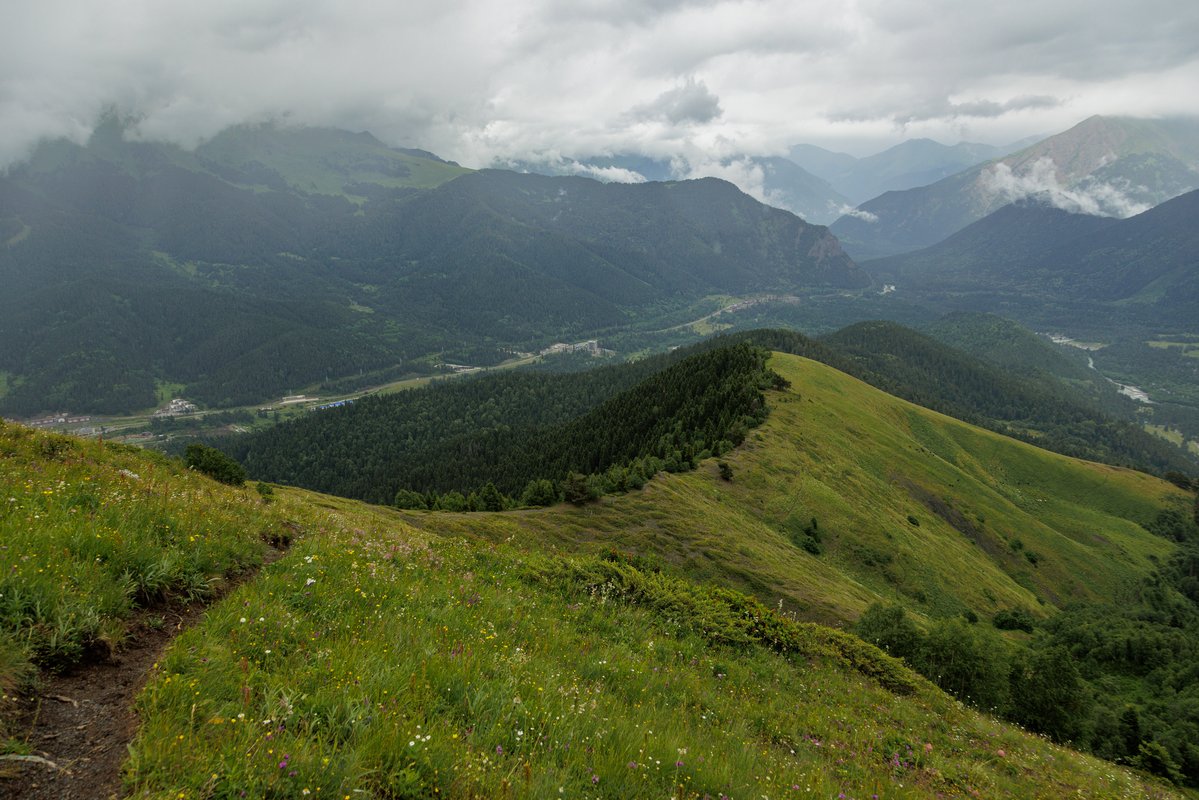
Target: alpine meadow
<point>731,400</point>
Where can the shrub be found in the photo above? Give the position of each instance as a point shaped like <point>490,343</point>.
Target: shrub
<point>1048,695</point>
<point>408,499</point>
<point>965,662</point>
<point>888,627</point>
<point>540,492</point>
<point>1013,619</point>
<point>214,464</point>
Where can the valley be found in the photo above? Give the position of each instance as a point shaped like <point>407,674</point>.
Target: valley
<point>564,487</point>
<point>735,400</point>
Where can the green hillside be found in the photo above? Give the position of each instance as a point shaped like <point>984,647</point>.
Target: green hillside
<point>862,462</point>
<point>324,160</point>
<point>381,658</point>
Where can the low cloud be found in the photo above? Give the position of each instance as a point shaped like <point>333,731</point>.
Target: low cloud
<point>477,81</point>
<point>744,172</point>
<point>1040,180</point>
<point>946,110</point>
<point>688,104</point>
<point>857,213</point>
<point>605,174</point>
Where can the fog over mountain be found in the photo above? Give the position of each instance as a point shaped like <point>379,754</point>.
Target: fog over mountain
<point>708,81</point>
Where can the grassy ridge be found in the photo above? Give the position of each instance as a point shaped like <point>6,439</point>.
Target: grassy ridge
<point>376,660</point>
<point>862,462</point>
<point>394,654</point>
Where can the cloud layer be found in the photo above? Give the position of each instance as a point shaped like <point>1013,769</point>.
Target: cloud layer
<point>1039,180</point>
<point>475,80</point>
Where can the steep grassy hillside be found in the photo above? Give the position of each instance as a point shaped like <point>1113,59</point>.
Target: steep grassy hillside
<point>907,504</point>
<point>381,658</point>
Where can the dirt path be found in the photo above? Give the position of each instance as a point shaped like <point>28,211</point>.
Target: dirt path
<point>82,722</point>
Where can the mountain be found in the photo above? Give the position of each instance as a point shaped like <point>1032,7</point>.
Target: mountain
<point>1013,347</point>
<point>777,181</point>
<point>1146,262</point>
<point>1104,165</point>
<point>913,163</point>
<point>272,259</point>
<point>845,495</point>
<point>389,654</point>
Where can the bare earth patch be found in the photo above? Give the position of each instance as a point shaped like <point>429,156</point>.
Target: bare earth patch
<point>79,725</point>
<point>83,721</point>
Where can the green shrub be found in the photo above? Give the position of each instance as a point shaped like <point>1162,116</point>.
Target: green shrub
<point>1013,619</point>
<point>214,464</point>
<point>966,662</point>
<point>540,492</point>
<point>888,627</point>
<point>408,499</point>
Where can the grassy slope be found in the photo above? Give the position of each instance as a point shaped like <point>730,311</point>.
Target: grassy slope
<point>861,462</point>
<point>377,659</point>
<point>325,160</point>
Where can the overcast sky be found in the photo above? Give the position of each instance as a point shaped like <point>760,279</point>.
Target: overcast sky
<point>476,80</point>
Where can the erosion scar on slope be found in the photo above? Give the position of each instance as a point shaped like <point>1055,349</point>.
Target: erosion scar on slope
<point>79,726</point>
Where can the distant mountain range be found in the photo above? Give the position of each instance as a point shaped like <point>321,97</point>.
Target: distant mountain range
<point>916,162</point>
<point>777,181</point>
<point>271,259</point>
<point>1110,166</point>
<point>1035,250</point>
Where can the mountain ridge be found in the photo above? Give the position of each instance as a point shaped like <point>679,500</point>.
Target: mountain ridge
<point>1116,165</point>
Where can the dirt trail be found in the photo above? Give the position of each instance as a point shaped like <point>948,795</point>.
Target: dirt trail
<point>82,722</point>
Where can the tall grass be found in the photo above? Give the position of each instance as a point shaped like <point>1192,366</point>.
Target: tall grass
<point>88,532</point>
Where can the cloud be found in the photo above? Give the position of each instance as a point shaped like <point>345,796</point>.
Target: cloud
<point>744,172</point>
<point>978,109</point>
<point>475,80</point>
<point>606,174</point>
<point>690,103</point>
<point>857,213</point>
<point>1039,180</point>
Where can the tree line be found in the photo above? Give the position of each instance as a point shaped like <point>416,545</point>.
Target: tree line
<point>1119,679</point>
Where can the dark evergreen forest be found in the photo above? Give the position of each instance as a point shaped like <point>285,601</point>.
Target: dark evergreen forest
<point>663,412</point>
<point>619,424</point>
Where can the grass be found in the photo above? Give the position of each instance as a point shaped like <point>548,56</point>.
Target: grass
<point>376,660</point>
<point>328,162</point>
<point>392,654</point>
<point>862,462</point>
<point>165,391</point>
<point>90,532</point>
<point>19,236</point>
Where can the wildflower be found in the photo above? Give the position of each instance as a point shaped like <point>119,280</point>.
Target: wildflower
<point>499,749</point>
<point>928,747</point>
<point>310,581</point>
<point>594,779</point>
<point>1000,753</point>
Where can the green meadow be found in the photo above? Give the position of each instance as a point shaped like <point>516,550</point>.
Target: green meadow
<point>662,643</point>
<point>912,506</point>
